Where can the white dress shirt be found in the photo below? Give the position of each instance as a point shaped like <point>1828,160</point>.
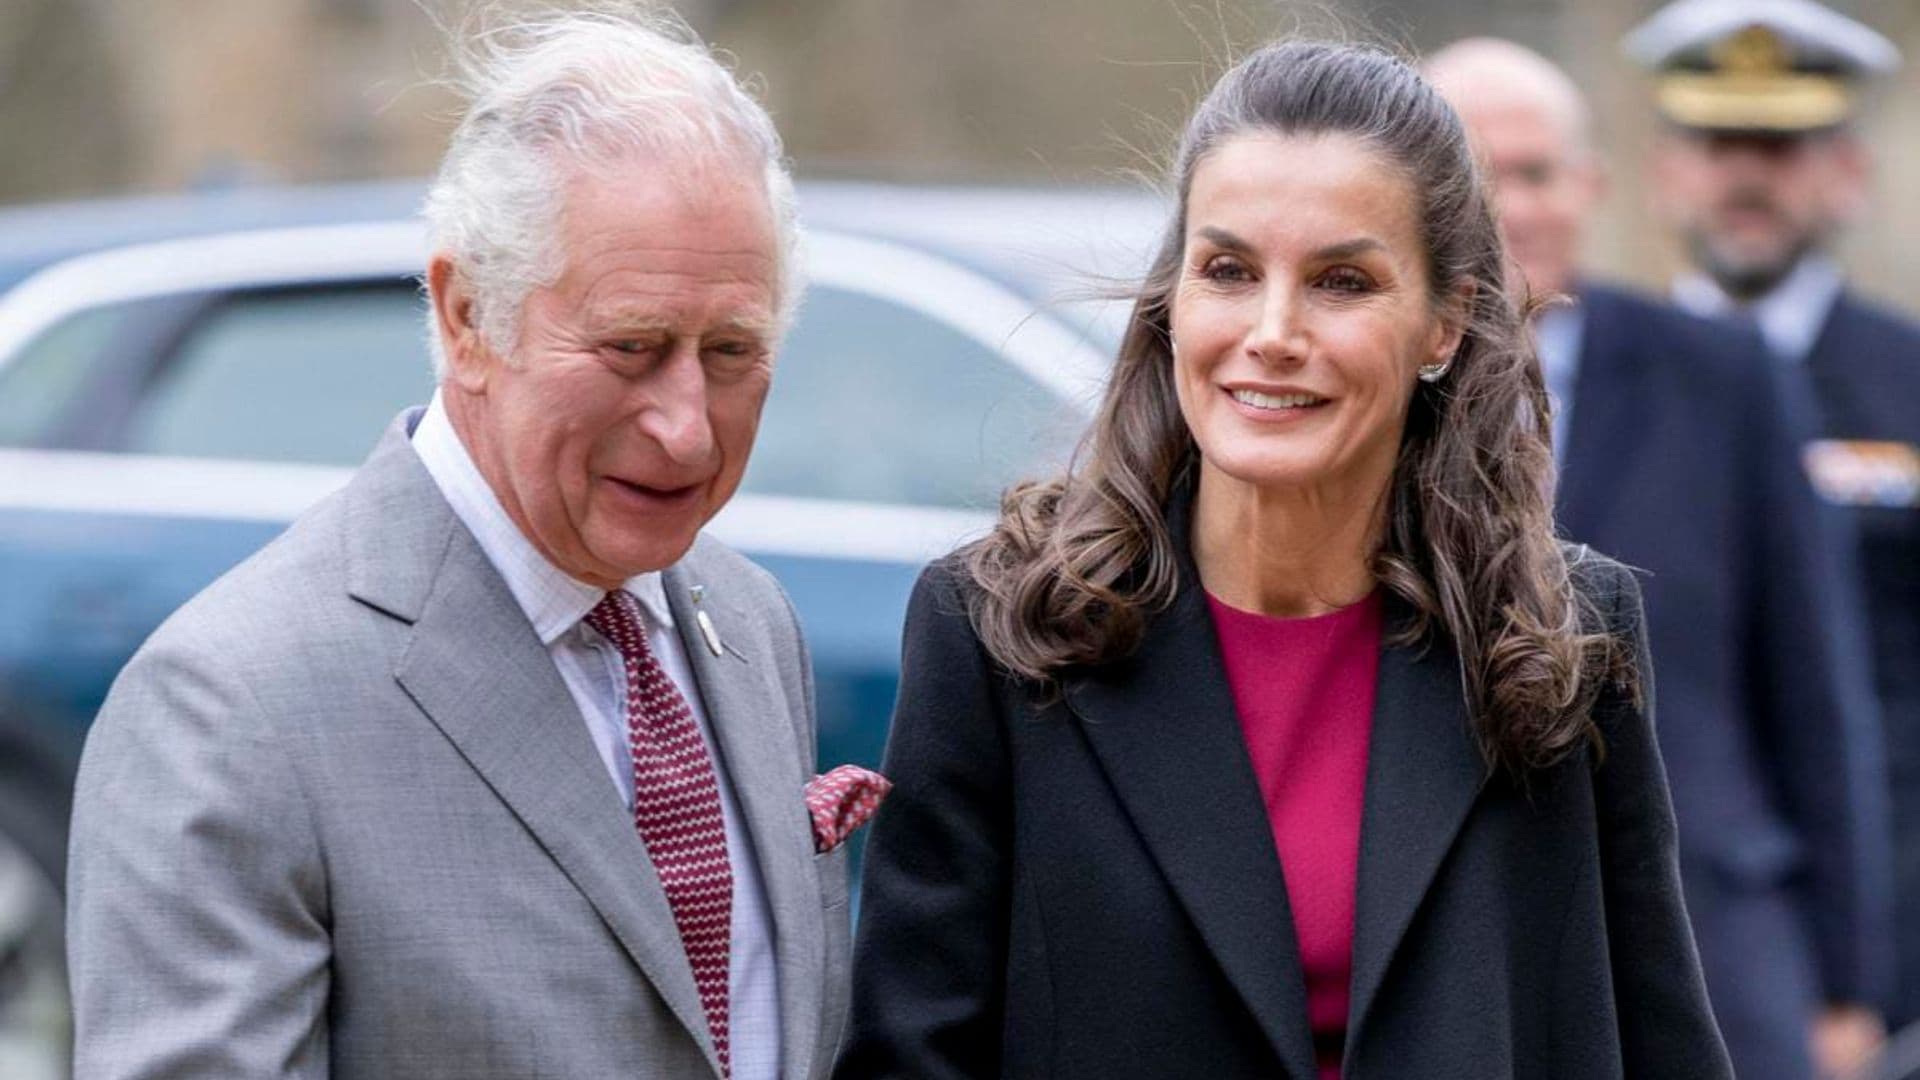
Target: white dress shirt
<point>1557,334</point>
<point>1790,316</point>
<point>595,674</point>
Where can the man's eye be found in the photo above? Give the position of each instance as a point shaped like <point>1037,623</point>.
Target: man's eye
<point>1533,174</point>
<point>733,355</point>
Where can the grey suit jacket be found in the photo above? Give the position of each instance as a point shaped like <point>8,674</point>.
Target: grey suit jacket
<point>339,816</point>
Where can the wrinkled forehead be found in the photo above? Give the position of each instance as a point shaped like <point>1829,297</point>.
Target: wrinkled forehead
<point>1317,191</point>
<point>643,229</point>
<point>704,207</point>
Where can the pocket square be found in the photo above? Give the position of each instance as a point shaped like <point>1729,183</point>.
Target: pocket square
<point>841,801</point>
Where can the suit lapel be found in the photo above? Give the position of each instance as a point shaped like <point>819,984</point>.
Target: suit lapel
<point>1164,728</point>
<point>748,713</point>
<point>475,667</point>
<point>1424,772</point>
<point>1609,407</point>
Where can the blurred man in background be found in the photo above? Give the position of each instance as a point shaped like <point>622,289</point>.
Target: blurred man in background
<point>1680,456</point>
<point>1759,171</point>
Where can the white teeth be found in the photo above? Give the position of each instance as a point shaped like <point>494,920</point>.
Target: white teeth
<point>1275,401</point>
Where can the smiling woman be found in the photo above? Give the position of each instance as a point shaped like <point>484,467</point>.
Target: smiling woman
<point>1280,736</point>
<point>1305,314</point>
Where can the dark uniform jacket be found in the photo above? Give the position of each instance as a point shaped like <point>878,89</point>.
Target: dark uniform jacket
<point>1865,373</point>
<point>1683,461</point>
<point>1084,884</point>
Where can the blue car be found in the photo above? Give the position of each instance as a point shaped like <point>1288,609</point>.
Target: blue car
<point>168,405</point>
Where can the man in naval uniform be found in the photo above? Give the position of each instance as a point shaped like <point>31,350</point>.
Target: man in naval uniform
<point>1679,454</point>
<point>1758,172</point>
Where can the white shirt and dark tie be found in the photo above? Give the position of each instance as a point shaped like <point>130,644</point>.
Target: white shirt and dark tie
<point>1790,316</point>
<point>594,672</point>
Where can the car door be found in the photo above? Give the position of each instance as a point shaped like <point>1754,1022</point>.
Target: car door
<point>158,424</point>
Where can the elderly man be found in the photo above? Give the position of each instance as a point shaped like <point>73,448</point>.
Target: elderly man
<point>1759,172</point>
<point>492,766</point>
<point>1681,457</point>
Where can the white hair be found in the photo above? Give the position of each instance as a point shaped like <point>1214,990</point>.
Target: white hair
<point>565,91</point>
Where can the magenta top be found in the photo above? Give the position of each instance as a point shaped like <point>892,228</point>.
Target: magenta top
<point>1304,690</point>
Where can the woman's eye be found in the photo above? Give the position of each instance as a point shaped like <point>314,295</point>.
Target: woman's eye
<point>1225,270</point>
<point>1345,280</point>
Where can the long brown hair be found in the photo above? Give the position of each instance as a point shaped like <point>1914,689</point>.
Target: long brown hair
<point>1077,564</point>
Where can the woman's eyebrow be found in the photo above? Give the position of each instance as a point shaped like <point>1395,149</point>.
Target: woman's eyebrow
<point>1346,249</point>
<point>1221,238</point>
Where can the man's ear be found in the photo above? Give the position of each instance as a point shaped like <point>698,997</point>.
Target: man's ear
<point>454,316</point>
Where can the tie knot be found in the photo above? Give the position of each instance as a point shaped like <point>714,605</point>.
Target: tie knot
<point>617,618</point>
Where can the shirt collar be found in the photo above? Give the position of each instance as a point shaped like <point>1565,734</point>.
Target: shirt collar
<point>1557,332</point>
<point>552,601</point>
<point>1789,317</point>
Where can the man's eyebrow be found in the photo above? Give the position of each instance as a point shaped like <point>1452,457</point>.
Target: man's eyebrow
<point>615,320</point>
<point>756,326</point>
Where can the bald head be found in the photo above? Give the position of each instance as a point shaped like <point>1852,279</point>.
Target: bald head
<point>1530,125</point>
<point>1490,75</point>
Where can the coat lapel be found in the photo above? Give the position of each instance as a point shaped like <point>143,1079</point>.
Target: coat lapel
<point>1164,728</point>
<point>1609,411</point>
<point>759,746</point>
<point>475,667</point>
<point>1424,772</point>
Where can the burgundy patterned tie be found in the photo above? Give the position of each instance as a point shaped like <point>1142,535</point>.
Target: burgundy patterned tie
<point>676,806</point>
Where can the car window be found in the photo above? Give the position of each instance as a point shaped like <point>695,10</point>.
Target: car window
<point>873,401</point>
<point>308,375</point>
<point>50,378</point>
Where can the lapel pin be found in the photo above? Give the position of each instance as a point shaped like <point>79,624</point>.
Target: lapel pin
<point>707,632</point>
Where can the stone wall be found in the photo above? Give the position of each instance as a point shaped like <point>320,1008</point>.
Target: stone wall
<point>98,96</point>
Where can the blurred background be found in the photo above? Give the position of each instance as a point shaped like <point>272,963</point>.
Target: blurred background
<point>100,97</point>
<point>209,305</point>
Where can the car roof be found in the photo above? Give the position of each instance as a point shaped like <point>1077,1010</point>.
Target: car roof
<point>1054,245</point>
<point>984,261</point>
<point>36,235</point>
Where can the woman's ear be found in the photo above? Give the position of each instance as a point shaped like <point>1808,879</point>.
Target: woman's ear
<point>454,316</point>
<point>1450,328</point>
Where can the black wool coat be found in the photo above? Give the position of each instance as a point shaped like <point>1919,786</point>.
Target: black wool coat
<point>1084,884</point>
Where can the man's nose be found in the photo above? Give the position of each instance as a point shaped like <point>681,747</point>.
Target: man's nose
<point>676,413</point>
